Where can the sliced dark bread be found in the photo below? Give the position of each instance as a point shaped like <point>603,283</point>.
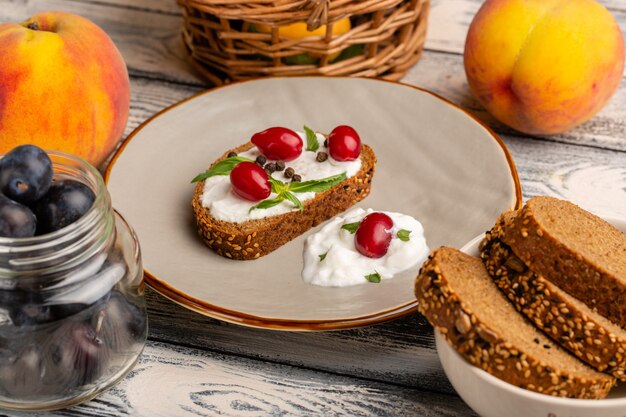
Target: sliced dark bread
<point>571,323</point>
<point>461,301</point>
<point>255,238</point>
<point>575,250</point>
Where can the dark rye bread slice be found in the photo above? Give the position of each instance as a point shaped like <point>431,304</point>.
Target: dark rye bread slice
<point>575,250</point>
<point>569,322</point>
<point>461,301</point>
<point>255,238</point>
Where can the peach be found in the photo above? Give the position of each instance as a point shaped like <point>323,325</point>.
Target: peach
<point>543,66</point>
<point>298,30</point>
<point>64,86</point>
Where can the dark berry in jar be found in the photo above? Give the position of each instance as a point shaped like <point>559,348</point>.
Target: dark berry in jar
<point>29,309</point>
<point>344,144</point>
<point>16,220</point>
<point>278,143</point>
<point>25,174</point>
<point>124,323</point>
<point>65,202</point>
<point>374,235</point>
<point>78,353</point>
<point>250,181</point>
<point>21,370</point>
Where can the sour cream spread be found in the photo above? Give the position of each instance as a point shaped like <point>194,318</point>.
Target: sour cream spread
<point>332,260</point>
<point>219,198</point>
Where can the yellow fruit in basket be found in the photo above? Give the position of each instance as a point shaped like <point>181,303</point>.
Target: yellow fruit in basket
<point>543,66</point>
<point>64,86</point>
<point>299,30</point>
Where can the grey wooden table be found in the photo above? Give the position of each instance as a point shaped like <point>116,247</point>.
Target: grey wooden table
<point>194,365</point>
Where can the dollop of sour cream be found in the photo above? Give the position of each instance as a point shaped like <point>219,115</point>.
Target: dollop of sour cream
<point>332,260</point>
<point>223,204</point>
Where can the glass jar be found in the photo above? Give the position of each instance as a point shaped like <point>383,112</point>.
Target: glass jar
<point>72,310</point>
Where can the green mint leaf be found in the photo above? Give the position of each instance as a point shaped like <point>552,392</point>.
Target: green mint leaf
<point>291,197</point>
<point>351,227</point>
<point>267,203</point>
<point>222,167</point>
<point>311,139</point>
<point>316,186</point>
<point>278,186</point>
<point>323,256</point>
<point>403,235</point>
<point>375,277</point>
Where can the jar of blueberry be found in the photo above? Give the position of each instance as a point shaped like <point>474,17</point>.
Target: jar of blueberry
<point>72,311</point>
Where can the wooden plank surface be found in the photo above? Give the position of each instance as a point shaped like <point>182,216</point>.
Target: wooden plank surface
<point>400,352</point>
<point>198,366</point>
<point>174,381</point>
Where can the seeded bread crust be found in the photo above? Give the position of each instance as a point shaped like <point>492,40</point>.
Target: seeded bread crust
<point>478,341</point>
<point>574,249</point>
<point>572,324</point>
<point>255,238</point>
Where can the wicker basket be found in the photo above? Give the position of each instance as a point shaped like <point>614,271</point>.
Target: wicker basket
<point>385,37</point>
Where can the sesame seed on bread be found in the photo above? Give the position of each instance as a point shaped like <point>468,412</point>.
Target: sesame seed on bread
<point>571,323</point>
<point>575,250</point>
<point>460,300</point>
<point>255,238</point>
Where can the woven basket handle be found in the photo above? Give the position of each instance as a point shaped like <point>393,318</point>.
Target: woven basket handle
<point>319,13</point>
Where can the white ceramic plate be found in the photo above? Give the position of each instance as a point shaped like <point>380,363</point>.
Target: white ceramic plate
<point>492,397</point>
<point>435,162</point>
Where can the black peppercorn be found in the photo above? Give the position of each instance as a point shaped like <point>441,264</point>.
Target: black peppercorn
<point>270,166</point>
<point>296,178</point>
<point>261,160</point>
<point>321,156</point>
<point>326,143</point>
<point>231,154</point>
<point>289,172</point>
<point>280,165</point>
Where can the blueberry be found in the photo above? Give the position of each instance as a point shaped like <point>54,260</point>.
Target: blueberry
<point>16,220</point>
<point>63,204</point>
<point>25,174</point>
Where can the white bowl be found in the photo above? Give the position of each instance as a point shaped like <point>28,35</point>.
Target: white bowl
<point>492,397</point>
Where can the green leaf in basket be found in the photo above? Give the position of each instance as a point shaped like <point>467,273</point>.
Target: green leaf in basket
<point>300,59</point>
<point>350,52</point>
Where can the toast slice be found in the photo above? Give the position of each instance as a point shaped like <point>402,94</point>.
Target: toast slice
<point>252,239</point>
<point>571,323</point>
<point>577,251</point>
<point>460,300</point>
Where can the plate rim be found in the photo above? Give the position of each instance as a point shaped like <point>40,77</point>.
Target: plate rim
<point>240,318</point>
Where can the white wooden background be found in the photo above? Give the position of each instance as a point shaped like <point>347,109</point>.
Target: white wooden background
<point>196,366</point>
